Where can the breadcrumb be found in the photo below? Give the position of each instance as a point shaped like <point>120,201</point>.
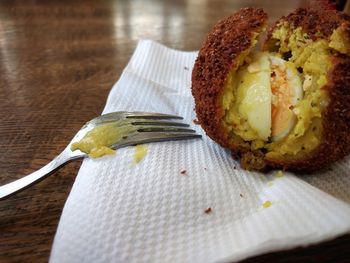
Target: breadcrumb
<point>208,210</point>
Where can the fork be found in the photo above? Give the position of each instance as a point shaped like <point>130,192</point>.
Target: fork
<point>146,127</point>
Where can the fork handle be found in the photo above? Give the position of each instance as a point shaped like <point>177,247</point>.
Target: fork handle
<point>22,183</point>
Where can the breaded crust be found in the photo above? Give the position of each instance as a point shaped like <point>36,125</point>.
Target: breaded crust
<point>218,55</point>
<point>315,21</point>
<point>335,141</point>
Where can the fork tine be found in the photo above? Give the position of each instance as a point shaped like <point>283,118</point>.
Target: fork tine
<point>148,137</point>
<point>159,123</point>
<point>108,117</point>
<point>150,115</point>
<point>147,129</point>
<point>120,115</point>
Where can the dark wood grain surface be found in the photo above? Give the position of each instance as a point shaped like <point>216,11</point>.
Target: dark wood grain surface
<point>58,61</point>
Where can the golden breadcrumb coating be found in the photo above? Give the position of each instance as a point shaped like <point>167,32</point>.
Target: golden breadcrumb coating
<point>223,52</point>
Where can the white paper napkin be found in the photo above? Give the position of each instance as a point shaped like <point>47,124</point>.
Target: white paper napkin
<point>151,212</point>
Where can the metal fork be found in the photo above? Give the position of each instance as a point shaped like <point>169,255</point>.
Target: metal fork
<point>146,127</point>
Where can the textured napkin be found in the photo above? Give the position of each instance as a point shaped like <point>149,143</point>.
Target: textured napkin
<point>189,201</point>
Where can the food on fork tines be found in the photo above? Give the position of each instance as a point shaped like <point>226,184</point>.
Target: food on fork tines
<point>98,142</point>
<point>286,106</point>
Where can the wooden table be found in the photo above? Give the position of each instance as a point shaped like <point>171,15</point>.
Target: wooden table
<point>58,61</point>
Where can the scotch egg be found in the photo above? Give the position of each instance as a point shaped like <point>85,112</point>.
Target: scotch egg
<point>286,106</point>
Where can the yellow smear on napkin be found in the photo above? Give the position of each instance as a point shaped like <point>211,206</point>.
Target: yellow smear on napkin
<point>267,204</point>
<point>140,152</point>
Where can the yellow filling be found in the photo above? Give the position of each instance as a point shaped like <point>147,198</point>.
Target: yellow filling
<point>98,141</point>
<point>340,41</point>
<point>295,122</point>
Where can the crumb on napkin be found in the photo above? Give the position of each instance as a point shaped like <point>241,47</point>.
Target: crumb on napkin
<point>208,210</point>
